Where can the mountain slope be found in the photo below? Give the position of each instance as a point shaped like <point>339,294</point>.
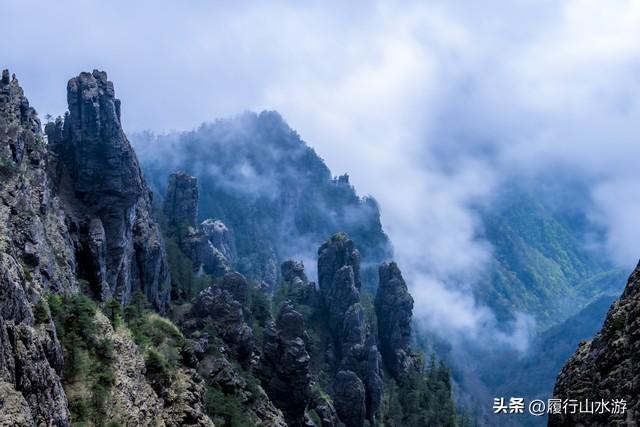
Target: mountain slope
<point>541,265</point>
<point>273,192</point>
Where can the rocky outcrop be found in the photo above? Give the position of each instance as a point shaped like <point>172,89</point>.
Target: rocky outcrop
<point>133,401</point>
<point>14,410</point>
<point>299,289</point>
<point>35,257</point>
<point>355,350</point>
<point>107,202</point>
<point>394,309</point>
<point>26,365</point>
<point>220,238</point>
<point>285,365</point>
<point>606,368</point>
<point>349,398</point>
<point>181,200</point>
<point>223,375</point>
<point>210,245</point>
<point>223,307</point>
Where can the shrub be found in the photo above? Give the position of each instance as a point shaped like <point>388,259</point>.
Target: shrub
<point>41,311</point>
<point>158,370</point>
<point>89,358</point>
<point>226,410</point>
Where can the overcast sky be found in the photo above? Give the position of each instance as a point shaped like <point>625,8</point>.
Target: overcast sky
<point>384,91</point>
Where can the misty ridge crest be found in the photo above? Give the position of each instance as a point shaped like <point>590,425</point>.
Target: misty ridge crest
<point>272,190</point>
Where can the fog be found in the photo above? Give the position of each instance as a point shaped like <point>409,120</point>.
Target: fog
<point>429,106</point>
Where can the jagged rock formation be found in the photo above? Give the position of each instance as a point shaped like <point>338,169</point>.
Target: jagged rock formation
<point>76,216</point>
<point>210,245</point>
<point>356,355</point>
<point>299,289</point>
<point>181,200</point>
<point>350,398</point>
<point>394,309</point>
<point>607,367</point>
<point>220,238</point>
<point>34,258</point>
<point>285,365</point>
<point>107,202</point>
<point>223,306</point>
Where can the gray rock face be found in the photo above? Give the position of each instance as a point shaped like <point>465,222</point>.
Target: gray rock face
<point>285,365</point>
<point>394,309</point>
<point>607,367</point>
<point>299,289</point>
<point>106,198</point>
<point>210,245</point>
<point>220,238</point>
<point>35,257</point>
<point>33,374</point>
<point>223,306</point>
<point>355,348</point>
<point>181,200</point>
<point>349,398</point>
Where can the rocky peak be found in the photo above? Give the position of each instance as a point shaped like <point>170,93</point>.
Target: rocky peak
<point>96,151</point>
<point>291,269</point>
<point>223,306</point>
<point>394,309</point>
<point>337,252</point>
<point>181,200</point>
<point>19,123</point>
<point>607,366</point>
<point>210,246</point>
<point>358,362</point>
<point>220,237</point>
<point>285,365</point>
<point>299,289</point>
<point>106,198</point>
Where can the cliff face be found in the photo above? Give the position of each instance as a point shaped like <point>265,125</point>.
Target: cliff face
<point>35,257</point>
<point>181,200</point>
<point>394,311</point>
<point>358,385</point>
<point>107,202</point>
<point>607,367</point>
<point>285,365</point>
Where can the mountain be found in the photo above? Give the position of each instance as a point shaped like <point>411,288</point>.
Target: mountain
<point>118,309</point>
<point>605,369</point>
<point>271,190</point>
<point>541,264</point>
